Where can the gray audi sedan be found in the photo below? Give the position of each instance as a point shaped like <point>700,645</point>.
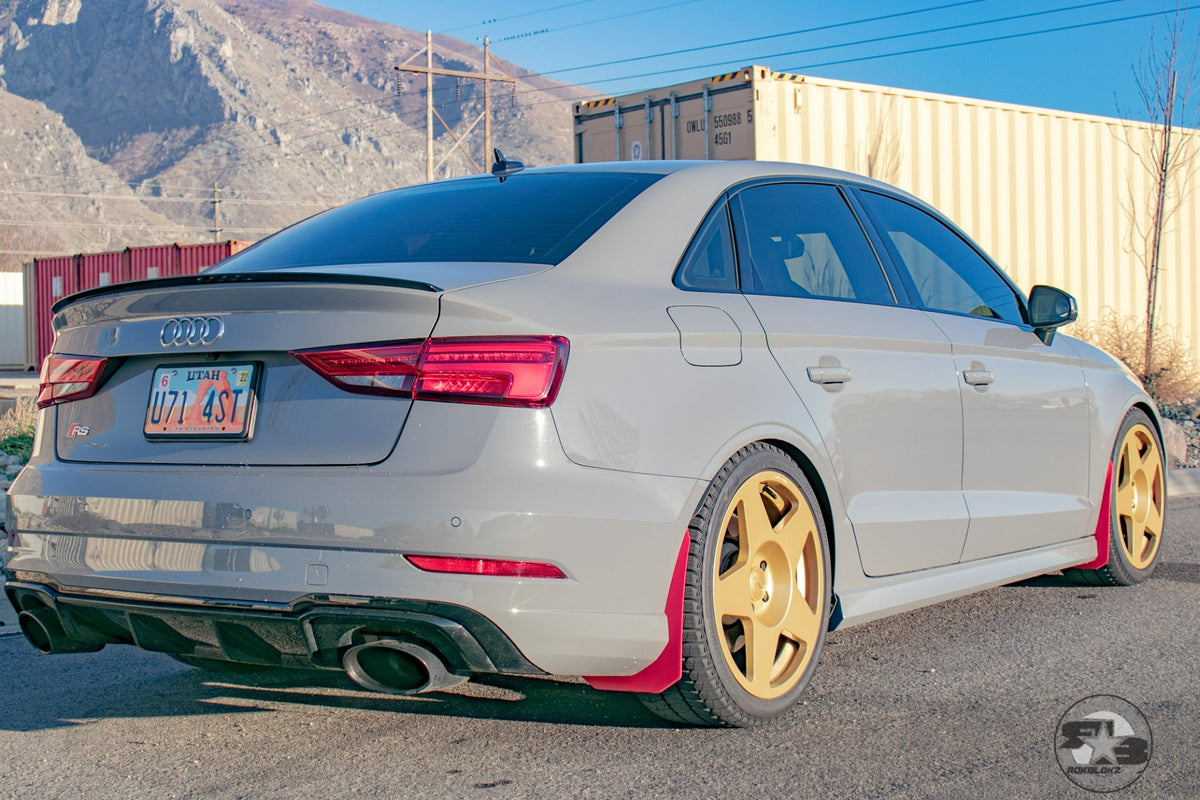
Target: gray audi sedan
<point>661,425</point>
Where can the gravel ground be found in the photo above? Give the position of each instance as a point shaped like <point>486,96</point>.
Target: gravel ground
<point>1185,418</point>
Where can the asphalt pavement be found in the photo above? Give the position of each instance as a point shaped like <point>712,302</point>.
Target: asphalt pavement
<point>962,699</point>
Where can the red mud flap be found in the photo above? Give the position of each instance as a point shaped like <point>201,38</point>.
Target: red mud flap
<point>1103,526</point>
<point>668,667</point>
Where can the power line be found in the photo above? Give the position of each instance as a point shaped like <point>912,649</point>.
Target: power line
<point>895,36</point>
<point>596,21</point>
<point>516,16</point>
<point>989,40</point>
<point>727,63</point>
<point>754,39</point>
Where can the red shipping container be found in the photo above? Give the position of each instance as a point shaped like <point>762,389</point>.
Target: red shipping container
<point>102,269</point>
<point>195,257</point>
<point>158,261</point>
<point>56,278</point>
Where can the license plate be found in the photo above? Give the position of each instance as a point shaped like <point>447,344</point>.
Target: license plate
<point>210,401</point>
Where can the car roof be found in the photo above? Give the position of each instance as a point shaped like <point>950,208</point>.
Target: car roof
<point>728,173</point>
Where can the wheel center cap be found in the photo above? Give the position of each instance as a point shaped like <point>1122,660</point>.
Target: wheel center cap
<point>758,584</point>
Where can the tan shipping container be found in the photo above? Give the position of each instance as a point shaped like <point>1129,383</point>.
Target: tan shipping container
<point>1047,193</point>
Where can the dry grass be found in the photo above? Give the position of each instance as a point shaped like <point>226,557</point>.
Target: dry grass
<point>1174,378</point>
<point>16,428</point>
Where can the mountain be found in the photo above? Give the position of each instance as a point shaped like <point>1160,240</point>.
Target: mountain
<point>41,213</point>
<point>285,106</point>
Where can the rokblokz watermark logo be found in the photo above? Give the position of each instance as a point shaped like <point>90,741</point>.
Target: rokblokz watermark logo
<point>1103,743</point>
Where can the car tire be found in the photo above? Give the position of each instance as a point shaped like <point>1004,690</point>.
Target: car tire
<point>1138,506</point>
<point>757,597</point>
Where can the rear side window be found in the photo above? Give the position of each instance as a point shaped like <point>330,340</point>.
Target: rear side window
<point>802,240</point>
<point>947,273</point>
<point>530,218</point>
<point>708,265</point>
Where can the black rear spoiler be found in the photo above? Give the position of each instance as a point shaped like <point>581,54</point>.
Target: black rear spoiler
<point>241,277</point>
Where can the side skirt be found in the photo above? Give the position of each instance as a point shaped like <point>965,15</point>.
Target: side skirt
<point>883,597</point>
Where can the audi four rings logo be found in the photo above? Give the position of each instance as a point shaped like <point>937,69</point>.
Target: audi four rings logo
<point>193,331</point>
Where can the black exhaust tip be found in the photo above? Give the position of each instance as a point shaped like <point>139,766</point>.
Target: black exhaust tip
<point>398,668</point>
<point>44,630</point>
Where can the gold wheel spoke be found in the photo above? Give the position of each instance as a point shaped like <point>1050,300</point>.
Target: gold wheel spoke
<point>1154,519</point>
<point>761,645</point>
<point>1135,542</point>
<point>1129,454</point>
<point>731,596</point>
<point>797,533</point>
<point>1132,454</point>
<point>1150,462</point>
<point>802,623</point>
<point>754,526</point>
<point>1126,495</point>
<point>1147,537</point>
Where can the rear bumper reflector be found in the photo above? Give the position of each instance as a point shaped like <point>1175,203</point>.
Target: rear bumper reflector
<point>486,566</point>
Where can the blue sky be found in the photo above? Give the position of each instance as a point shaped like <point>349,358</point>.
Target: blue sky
<point>1085,66</point>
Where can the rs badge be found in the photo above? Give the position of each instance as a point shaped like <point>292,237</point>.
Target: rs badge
<point>77,430</point>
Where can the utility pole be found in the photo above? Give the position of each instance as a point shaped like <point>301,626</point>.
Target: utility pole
<point>487,76</point>
<point>428,105</point>
<point>487,106</point>
<point>216,201</point>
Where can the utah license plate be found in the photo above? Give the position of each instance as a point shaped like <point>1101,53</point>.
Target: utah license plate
<point>210,401</point>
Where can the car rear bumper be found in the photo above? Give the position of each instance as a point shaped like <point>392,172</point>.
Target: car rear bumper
<point>313,632</point>
<point>207,545</point>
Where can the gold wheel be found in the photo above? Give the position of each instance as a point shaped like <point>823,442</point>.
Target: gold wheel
<point>758,594</point>
<point>1140,496</point>
<point>768,585</point>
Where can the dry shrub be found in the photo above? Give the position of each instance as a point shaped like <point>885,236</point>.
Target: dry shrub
<point>1173,378</point>
<point>16,428</point>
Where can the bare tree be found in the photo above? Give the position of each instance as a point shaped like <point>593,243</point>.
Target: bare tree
<point>1168,83</point>
<point>880,156</point>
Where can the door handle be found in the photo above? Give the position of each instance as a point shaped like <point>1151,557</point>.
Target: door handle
<point>826,375</point>
<point>978,377</point>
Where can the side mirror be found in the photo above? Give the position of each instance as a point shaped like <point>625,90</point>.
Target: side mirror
<point>1050,308</point>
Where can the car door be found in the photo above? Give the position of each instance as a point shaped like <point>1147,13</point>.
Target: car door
<point>1025,404</point>
<point>877,378</point>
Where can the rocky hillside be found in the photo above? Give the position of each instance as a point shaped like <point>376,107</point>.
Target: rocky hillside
<point>42,213</point>
<point>286,106</point>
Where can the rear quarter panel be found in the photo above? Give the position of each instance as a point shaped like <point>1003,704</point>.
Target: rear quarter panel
<point>630,401</point>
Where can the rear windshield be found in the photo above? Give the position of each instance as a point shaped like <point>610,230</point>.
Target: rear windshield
<point>530,218</point>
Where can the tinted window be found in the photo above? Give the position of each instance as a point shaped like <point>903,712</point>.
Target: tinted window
<point>708,265</point>
<point>530,218</point>
<point>802,240</point>
<point>947,273</point>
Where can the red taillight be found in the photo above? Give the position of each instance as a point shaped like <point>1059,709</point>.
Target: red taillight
<point>69,378</point>
<point>486,566</point>
<point>523,371</point>
<point>367,369</point>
